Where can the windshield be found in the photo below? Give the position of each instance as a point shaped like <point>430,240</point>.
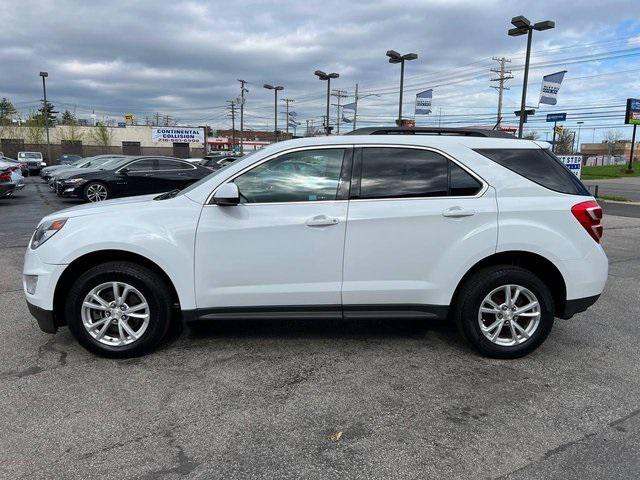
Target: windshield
<point>78,162</point>
<point>95,162</point>
<point>216,172</point>
<point>30,155</point>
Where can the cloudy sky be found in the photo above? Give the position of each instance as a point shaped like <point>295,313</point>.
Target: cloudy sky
<point>183,59</point>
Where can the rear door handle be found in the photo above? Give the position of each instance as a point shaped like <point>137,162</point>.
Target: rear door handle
<point>457,212</point>
<point>321,221</point>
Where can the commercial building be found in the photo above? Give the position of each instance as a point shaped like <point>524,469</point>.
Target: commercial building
<point>181,142</point>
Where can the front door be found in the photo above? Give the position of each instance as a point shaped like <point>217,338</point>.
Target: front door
<point>281,248</point>
<point>138,178</point>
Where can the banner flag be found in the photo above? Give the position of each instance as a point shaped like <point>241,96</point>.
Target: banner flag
<point>550,87</point>
<point>346,120</point>
<point>423,102</point>
<point>349,106</point>
<point>293,114</point>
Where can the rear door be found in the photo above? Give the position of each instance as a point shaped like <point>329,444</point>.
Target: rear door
<point>417,219</point>
<point>174,174</point>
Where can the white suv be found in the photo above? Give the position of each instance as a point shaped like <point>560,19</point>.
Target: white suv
<point>494,233</point>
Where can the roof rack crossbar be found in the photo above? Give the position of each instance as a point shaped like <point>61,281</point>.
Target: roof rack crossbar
<point>460,131</point>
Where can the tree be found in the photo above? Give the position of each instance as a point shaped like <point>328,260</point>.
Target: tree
<point>564,142</point>
<point>7,111</point>
<point>70,133</point>
<point>47,110</point>
<point>102,136</point>
<point>615,141</point>
<point>68,118</point>
<point>531,135</point>
<point>34,129</point>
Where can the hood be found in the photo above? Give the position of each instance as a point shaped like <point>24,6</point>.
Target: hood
<point>77,171</point>
<point>101,207</point>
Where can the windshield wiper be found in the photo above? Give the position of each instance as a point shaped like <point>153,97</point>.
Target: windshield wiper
<point>167,195</point>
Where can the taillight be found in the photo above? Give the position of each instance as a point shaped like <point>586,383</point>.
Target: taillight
<point>589,214</point>
<point>5,176</point>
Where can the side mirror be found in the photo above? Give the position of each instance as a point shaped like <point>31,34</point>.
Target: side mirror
<point>123,171</point>
<point>227,195</point>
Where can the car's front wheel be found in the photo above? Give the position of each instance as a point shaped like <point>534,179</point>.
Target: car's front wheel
<point>119,309</point>
<point>96,192</point>
<point>504,311</point>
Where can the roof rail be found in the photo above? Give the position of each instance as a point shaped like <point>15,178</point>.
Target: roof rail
<point>460,131</point>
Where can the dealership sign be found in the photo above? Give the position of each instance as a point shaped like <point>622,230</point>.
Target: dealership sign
<point>177,135</point>
<point>573,163</point>
<point>632,115</point>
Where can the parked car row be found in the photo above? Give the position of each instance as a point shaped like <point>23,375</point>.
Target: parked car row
<point>103,177</point>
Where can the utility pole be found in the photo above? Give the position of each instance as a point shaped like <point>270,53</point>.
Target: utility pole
<point>339,94</point>
<point>242,92</point>
<point>503,75</point>
<point>232,107</point>
<point>45,112</point>
<point>157,119</point>
<point>287,101</point>
<point>307,131</point>
<point>355,110</point>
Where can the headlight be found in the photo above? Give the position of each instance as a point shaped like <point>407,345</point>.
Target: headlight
<point>46,230</point>
<point>74,181</point>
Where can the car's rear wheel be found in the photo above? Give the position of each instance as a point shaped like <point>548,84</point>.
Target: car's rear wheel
<point>119,309</point>
<point>96,192</point>
<point>504,311</point>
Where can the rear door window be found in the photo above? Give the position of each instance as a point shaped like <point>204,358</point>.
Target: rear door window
<point>538,165</point>
<point>402,173</point>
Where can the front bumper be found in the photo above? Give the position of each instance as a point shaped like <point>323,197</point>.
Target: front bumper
<point>6,188</point>
<point>68,190</point>
<point>45,318</point>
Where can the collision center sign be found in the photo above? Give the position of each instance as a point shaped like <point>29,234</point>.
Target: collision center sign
<point>177,134</point>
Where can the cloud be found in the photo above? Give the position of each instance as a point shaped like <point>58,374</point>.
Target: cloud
<point>183,58</point>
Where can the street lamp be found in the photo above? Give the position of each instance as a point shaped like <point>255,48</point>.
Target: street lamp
<point>275,89</point>
<point>326,76</point>
<point>578,142</point>
<point>45,111</point>
<point>395,57</point>
<point>523,27</point>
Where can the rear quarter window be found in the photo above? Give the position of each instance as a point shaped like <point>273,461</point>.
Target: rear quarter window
<point>538,165</point>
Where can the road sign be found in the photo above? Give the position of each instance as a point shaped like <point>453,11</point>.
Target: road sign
<point>632,115</point>
<point>558,129</point>
<point>556,117</point>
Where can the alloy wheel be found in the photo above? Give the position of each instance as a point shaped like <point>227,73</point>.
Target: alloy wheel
<point>509,315</point>
<point>115,314</point>
<point>96,192</point>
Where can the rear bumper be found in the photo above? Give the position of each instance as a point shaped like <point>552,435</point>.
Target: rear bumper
<point>577,305</point>
<point>45,318</point>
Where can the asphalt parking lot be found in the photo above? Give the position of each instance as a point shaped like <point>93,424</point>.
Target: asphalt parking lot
<point>249,399</point>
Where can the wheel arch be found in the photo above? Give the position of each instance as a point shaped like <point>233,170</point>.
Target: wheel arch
<point>82,263</point>
<point>535,263</point>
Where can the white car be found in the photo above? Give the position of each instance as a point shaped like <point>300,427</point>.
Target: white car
<point>493,233</point>
<point>34,161</point>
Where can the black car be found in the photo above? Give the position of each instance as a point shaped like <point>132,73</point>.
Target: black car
<point>68,159</point>
<point>129,176</point>
<point>214,162</point>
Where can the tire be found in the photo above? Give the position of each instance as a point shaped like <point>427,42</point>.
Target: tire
<point>96,192</point>
<point>530,329</point>
<point>145,287</point>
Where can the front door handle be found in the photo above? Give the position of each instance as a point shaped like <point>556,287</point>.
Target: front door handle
<point>321,221</point>
<point>457,212</point>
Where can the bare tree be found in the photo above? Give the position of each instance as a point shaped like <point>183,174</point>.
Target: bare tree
<point>102,136</point>
<point>70,133</point>
<point>564,142</point>
<point>531,135</point>
<point>34,126</point>
<point>615,140</point>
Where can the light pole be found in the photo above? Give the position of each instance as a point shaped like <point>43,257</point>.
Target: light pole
<point>578,142</point>
<point>395,57</point>
<point>45,111</point>
<point>327,76</point>
<point>523,27</point>
<point>275,89</point>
